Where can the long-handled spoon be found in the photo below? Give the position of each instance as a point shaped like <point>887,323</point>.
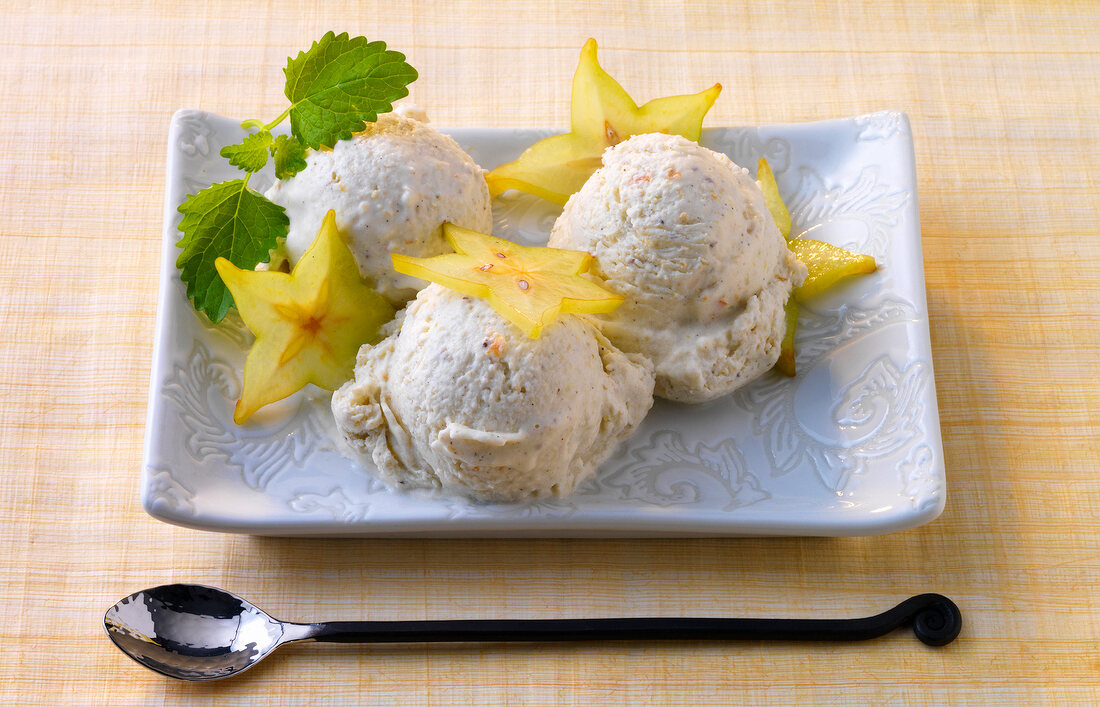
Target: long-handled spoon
<point>193,632</point>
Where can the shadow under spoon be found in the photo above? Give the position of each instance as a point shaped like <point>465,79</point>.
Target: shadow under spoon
<point>194,632</point>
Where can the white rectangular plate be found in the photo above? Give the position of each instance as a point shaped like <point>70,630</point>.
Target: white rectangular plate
<point>851,446</point>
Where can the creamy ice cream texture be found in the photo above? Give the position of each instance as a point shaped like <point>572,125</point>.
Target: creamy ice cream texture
<point>458,399</point>
<point>392,187</point>
<point>684,235</point>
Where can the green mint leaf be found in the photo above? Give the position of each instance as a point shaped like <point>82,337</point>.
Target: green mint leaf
<point>249,154</point>
<point>340,84</point>
<point>224,220</point>
<point>290,156</point>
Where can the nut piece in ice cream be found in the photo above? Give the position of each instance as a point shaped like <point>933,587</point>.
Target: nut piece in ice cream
<point>458,399</point>
<point>392,187</point>
<point>685,236</point>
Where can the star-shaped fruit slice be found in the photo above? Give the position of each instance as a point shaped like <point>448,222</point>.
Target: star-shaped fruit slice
<point>309,324</point>
<point>602,114</point>
<point>772,199</point>
<point>826,264</point>
<point>528,286</point>
<point>785,364</point>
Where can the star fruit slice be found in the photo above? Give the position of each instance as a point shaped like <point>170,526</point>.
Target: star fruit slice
<point>602,114</point>
<point>528,286</point>
<point>785,364</point>
<point>826,264</point>
<point>772,199</point>
<point>782,218</point>
<point>309,324</point>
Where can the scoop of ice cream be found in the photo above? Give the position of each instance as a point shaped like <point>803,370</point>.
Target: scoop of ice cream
<point>406,109</point>
<point>684,235</point>
<point>457,398</point>
<point>392,187</point>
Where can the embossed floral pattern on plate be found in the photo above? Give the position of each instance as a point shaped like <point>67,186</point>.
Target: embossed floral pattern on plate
<point>849,447</point>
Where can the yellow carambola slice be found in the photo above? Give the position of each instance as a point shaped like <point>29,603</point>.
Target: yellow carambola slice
<point>602,114</point>
<point>826,264</point>
<point>309,324</point>
<point>528,286</point>
<point>772,199</point>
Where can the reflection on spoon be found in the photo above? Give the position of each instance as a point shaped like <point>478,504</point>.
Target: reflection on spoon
<point>192,632</point>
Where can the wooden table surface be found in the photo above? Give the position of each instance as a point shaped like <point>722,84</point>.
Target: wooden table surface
<point>1004,99</point>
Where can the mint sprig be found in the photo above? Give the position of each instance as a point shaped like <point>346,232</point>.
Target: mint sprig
<point>251,153</point>
<point>340,84</point>
<point>290,156</point>
<point>228,220</point>
<point>335,88</point>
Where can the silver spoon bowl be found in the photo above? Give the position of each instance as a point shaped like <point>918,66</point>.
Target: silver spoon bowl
<point>193,632</point>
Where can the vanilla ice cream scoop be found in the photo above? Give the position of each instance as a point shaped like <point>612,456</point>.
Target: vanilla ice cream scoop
<point>392,187</point>
<point>684,235</point>
<point>458,399</point>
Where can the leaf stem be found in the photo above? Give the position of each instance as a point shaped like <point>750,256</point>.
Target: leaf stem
<point>278,120</point>
<point>253,123</point>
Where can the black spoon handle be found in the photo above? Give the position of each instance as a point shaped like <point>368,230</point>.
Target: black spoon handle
<point>936,621</point>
